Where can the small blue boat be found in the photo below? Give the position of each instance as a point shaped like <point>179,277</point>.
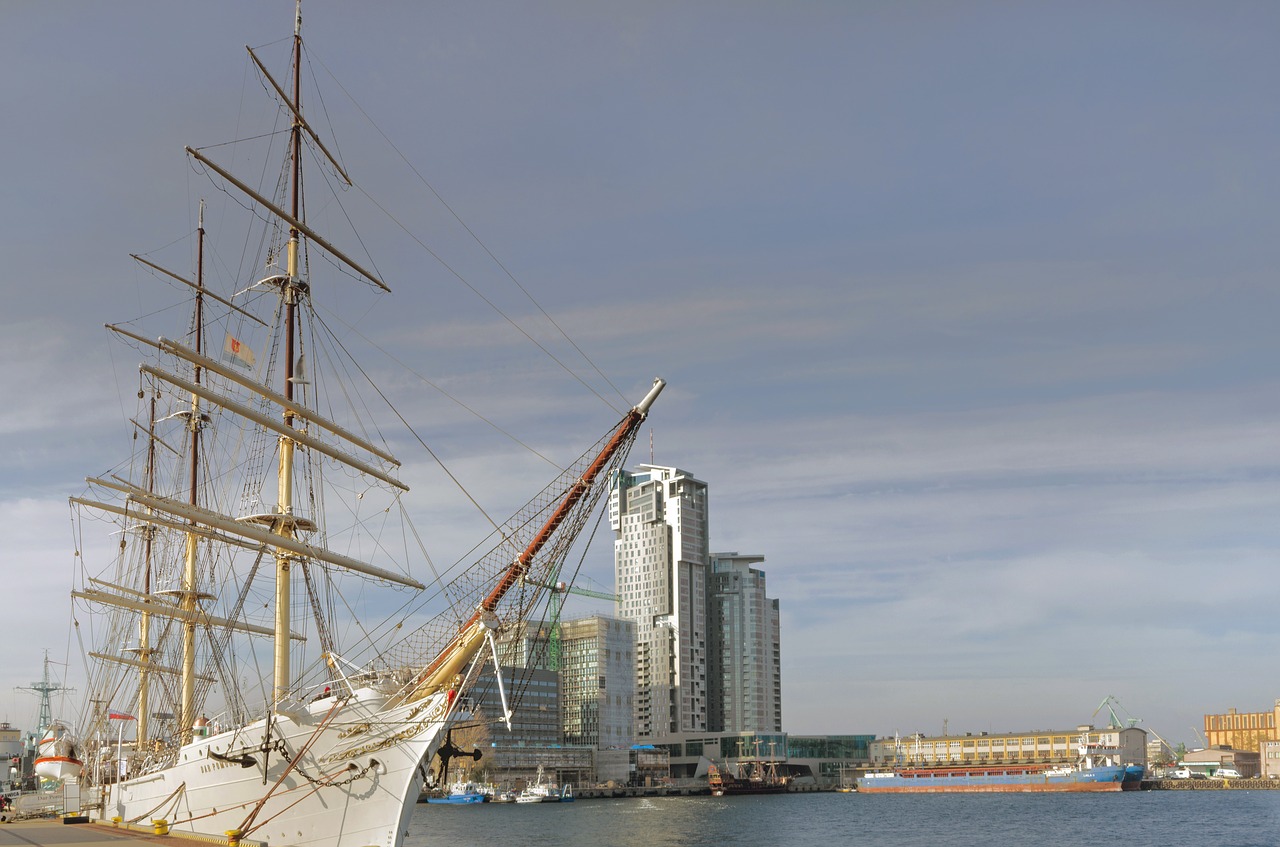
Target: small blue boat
<point>461,794</point>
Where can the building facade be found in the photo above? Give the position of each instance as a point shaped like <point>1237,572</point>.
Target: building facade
<point>1047,746</point>
<point>1242,730</point>
<point>597,682</point>
<point>744,668</point>
<point>532,692</point>
<point>660,520</point>
<point>1269,760</point>
<point>1247,763</point>
<point>827,761</point>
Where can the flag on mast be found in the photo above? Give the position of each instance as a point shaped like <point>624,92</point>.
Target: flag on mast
<point>120,716</point>
<point>237,352</point>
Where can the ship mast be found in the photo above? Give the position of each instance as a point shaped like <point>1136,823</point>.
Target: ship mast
<point>450,662</point>
<point>144,619</point>
<point>284,525</point>
<point>190,593</point>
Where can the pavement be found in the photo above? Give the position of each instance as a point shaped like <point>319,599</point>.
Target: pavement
<point>52,832</point>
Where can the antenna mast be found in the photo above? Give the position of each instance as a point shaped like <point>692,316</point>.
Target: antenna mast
<point>44,688</point>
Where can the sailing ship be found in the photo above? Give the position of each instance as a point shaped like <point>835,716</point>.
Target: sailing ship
<point>755,775</point>
<point>226,559</point>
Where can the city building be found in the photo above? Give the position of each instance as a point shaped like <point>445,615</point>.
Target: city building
<point>827,761</point>
<point>11,754</point>
<point>559,718</point>
<point>1269,760</point>
<point>1247,763</point>
<point>512,756</point>
<point>744,664</point>
<point>1242,730</point>
<point>1159,752</point>
<point>1061,745</point>
<point>832,760</point>
<point>534,697</point>
<point>597,682</point>
<point>660,520</point>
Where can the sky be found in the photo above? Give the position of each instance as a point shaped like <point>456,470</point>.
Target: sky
<point>966,310</point>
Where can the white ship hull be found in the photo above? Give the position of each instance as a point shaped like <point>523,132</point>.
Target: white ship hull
<point>346,779</point>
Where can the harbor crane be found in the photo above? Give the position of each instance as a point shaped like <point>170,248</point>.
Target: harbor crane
<point>555,602</point>
<point>1131,721</point>
<point>1115,719</point>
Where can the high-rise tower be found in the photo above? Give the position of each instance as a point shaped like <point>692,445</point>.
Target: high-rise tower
<point>659,516</point>
<point>744,654</point>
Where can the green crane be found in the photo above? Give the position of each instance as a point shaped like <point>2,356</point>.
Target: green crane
<point>557,593</point>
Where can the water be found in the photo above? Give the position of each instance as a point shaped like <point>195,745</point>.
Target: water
<point>1129,819</point>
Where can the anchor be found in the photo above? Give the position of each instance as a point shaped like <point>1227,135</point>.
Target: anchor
<point>448,750</point>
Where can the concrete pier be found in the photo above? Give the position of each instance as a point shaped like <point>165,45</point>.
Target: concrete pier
<point>57,832</point>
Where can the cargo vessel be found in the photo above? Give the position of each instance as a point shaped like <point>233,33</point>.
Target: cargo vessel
<point>1097,769</point>
<point>993,778</point>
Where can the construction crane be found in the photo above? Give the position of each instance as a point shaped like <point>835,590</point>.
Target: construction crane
<point>557,594</point>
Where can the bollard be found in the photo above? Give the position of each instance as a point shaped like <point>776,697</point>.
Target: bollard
<point>160,826</point>
<point>115,820</point>
<point>233,837</point>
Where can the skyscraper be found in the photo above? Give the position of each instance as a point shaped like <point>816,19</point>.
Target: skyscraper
<point>659,515</point>
<point>744,653</point>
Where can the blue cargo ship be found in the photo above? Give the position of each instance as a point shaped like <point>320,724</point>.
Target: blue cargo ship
<point>1098,768</point>
<point>993,778</point>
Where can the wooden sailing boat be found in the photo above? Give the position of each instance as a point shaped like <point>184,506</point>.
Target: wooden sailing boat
<point>755,775</point>
<point>333,750</point>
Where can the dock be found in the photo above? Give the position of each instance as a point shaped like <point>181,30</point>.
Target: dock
<point>78,832</point>
<point>1243,784</point>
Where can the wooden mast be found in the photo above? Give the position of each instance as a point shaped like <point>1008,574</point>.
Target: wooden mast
<point>453,658</point>
<point>190,590</point>
<point>285,523</point>
<point>144,619</point>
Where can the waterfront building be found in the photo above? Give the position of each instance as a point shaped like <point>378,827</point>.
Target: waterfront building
<point>832,760</point>
<point>512,756</point>
<point>597,682</point>
<point>660,520</point>
<point>744,665</point>
<point>1036,747</point>
<point>1242,730</point>
<point>1269,759</point>
<point>534,697</point>
<point>10,742</point>
<point>1247,763</point>
<point>827,761</point>
<point>11,754</point>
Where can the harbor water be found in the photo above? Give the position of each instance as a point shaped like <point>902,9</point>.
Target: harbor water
<point>1134,819</point>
